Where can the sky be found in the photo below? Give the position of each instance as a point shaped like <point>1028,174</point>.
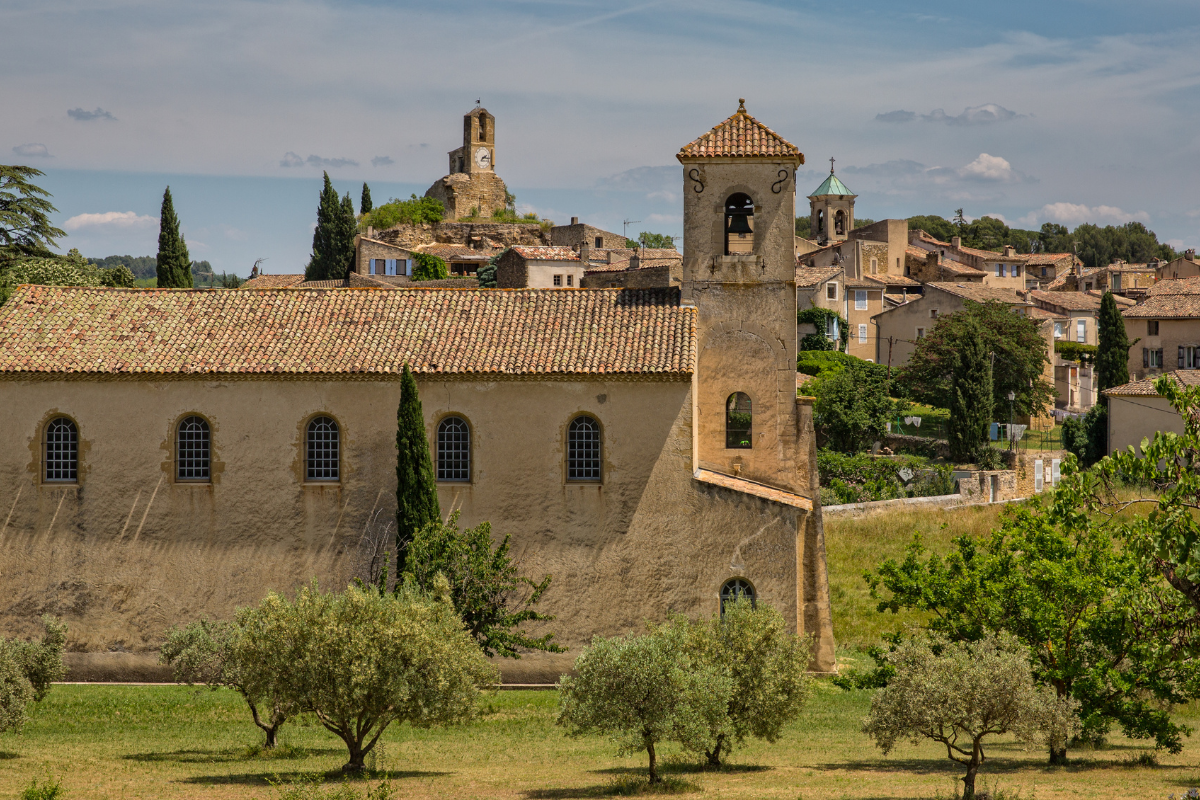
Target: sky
<point>1068,112</point>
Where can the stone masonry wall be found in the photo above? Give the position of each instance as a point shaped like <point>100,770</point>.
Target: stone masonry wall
<point>483,235</point>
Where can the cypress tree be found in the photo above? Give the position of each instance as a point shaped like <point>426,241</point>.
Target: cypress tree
<point>364,204</point>
<point>416,490</point>
<point>325,235</point>
<point>1112,356</point>
<point>174,266</point>
<point>970,399</point>
<point>347,225</point>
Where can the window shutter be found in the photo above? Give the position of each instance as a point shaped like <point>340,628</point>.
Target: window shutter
<point>1038,476</point>
<point>1055,474</point>
<point>1145,357</point>
<point>1181,358</point>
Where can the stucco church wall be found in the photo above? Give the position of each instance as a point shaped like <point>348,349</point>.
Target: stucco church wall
<point>128,552</point>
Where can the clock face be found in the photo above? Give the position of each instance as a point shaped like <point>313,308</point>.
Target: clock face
<point>483,159</point>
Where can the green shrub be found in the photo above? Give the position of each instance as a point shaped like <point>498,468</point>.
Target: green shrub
<point>50,790</point>
<point>819,317</point>
<point>1075,351</point>
<point>428,267</point>
<point>862,478</point>
<point>414,211</point>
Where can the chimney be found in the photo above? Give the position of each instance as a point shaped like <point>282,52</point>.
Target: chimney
<point>956,241</point>
<point>574,220</point>
<point>585,254</point>
<point>1190,254</point>
<point>1009,251</point>
<point>370,232</point>
<point>634,261</point>
<point>933,258</point>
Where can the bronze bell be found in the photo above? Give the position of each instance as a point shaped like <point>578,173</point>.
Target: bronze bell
<point>739,223</point>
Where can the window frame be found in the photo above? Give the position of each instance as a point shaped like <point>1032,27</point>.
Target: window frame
<point>831,290</point>
<point>748,432</point>
<point>734,588</point>
<point>1081,330</point>
<point>308,424</point>
<point>862,333</point>
<point>862,305</point>
<point>557,281</point>
<point>599,457</point>
<point>1152,327</point>
<point>438,448</point>
<point>73,460</point>
<point>178,449</point>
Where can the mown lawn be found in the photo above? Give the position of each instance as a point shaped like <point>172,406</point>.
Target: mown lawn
<point>176,742</point>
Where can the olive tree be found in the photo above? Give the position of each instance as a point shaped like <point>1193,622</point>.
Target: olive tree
<point>643,690</point>
<point>26,671</point>
<point>958,694</point>
<point>765,664</point>
<point>206,652</point>
<point>362,659</point>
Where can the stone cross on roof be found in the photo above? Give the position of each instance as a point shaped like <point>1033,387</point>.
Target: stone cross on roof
<point>831,160</point>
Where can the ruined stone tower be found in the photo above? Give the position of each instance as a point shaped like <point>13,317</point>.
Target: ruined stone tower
<point>472,188</point>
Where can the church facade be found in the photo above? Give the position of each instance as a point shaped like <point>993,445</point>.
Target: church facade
<point>172,454</point>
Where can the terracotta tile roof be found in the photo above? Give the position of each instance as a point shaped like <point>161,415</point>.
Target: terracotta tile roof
<point>953,267</point>
<point>889,279</point>
<point>990,255</point>
<point>1145,387</point>
<point>979,293</point>
<point>926,237</point>
<point>546,253</point>
<point>1041,313</point>
<point>900,299</point>
<point>1121,301</point>
<point>272,281</point>
<point>54,329</point>
<point>1177,298</point>
<point>352,280</point>
<point>740,135</point>
<point>1058,284</point>
<point>917,252</point>
<point>1046,259</point>
<point>1071,301</point>
<point>807,277</point>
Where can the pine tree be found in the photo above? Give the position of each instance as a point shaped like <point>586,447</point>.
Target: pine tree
<point>416,490</point>
<point>325,235</point>
<point>174,266</point>
<point>970,400</point>
<point>1112,356</point>
<point>364,205</point>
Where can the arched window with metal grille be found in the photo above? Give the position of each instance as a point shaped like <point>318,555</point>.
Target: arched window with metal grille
<point>583,449</point>
<point>453,450</point>
<point>192,451</point>
<point>323,450</point>
<point>736,589</point>
<point>60,451</point>
<point>739,422</point>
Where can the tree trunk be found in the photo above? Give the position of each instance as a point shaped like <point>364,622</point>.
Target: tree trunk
<point>1058,756</point>
<point>357,764</point>
<point>714,757</point>
<point>272,730</point>
<point>653,766</point>
<point>969,779</point>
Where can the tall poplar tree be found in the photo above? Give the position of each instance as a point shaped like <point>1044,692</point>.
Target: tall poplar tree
<point>970,399</point>
<point>174,265</point>
<point>1112,356</point>
<point>364,204</point>
<point>416,490</point>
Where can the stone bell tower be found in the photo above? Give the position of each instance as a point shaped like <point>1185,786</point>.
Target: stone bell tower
<point>472,188</point>
<point>832,209</point>
<point>750,431</point>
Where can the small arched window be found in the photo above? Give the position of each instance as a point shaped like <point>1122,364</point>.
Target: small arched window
<point>739,224</point>
<point>482,128</point>
<point>61,451</point>
<point>739,422</point>
<point>839,223</point>
<point>192,450</point>
<point>453,450</point>
<point>736,589</point>
<point>322,451</point>
<point>820,232</point>
<point>583,450</point>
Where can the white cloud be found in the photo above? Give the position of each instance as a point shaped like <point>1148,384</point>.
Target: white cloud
<point>976,115</point>
<point>990,168</point>
<point>291,159</point>
<point>32,149</point>
<point>110,219</point>
<point>1076,213</point>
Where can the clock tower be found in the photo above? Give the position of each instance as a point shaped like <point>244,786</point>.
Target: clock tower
<point>472,189</point>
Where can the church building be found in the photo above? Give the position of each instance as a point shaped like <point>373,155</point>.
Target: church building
<point>173,454</point>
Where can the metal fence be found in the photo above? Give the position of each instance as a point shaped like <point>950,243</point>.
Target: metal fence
<point>1001,435</point>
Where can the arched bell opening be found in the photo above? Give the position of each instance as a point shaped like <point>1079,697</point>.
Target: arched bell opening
<point>739,224</point>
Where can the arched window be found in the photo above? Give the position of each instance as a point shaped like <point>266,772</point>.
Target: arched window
<point>453,450</point>
<point>839,223</point>
<point>583,450</point>
<point>322,451</point>
<point>61,451</point>
<point>736,589</point>
<point>192,450</point>
<point>739,422</point>
<point>820,233</point>
<point>739,224</point>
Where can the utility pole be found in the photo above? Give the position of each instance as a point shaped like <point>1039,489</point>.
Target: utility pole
<point>891,339</point>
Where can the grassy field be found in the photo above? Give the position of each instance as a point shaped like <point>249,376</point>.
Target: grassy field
<point>175,742</point>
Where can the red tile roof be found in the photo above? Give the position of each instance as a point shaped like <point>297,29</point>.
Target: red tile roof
<point>807,277</point>
<point>980,293</point>
<point>1071,301</point>
<point>272,281</point>
<point>546,253</point>
<point>1145,387</point>
<point>740,135</point>
<point>1046,259</point>
<point>1176,298</point>
<point>54,329</point>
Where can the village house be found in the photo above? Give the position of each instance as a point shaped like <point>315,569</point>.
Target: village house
<point>1167,323</point>
<point>933,266</point>
<point>1136,411</point>
<point>1004,270</point>
<point>539,268</point>
<point>179,453</point>
<point>898,329</point>
<point>646,267</point>
<point>1042,269</point>
<point>1074,319</point>
<point>1185,266</point>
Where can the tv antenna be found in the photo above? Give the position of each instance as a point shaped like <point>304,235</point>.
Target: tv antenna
<point>627,223</point>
